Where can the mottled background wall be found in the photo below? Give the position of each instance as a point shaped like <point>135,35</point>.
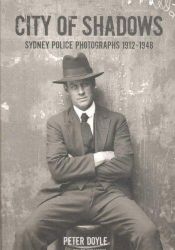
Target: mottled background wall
<point>139,83</point>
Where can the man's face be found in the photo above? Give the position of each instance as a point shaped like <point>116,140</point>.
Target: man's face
<point>81,92</point>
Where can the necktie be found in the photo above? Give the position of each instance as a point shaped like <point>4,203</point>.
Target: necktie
<point>86,133</point>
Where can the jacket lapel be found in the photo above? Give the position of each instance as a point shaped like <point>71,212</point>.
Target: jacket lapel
<point>102,122</point>
<point>73,130</point>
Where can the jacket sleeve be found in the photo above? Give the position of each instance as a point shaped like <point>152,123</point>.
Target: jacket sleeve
<point>62,167</point>
<point>121,165</point>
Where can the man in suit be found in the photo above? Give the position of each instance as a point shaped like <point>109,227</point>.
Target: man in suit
<point>90,158</point>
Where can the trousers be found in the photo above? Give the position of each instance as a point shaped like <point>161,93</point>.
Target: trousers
<point>110,208</point>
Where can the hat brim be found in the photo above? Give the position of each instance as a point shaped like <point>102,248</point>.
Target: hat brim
<point>76,78</point>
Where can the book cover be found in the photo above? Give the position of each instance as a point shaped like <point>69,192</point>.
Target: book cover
<point>133,43</point>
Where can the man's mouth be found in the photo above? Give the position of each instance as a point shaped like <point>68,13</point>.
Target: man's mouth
<point>82,98</point>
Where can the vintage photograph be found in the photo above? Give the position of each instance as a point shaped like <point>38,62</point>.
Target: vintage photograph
<point>87,125</point>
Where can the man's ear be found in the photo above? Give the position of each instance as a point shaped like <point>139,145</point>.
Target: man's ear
<point>65,87</point>
<point>94,83</point>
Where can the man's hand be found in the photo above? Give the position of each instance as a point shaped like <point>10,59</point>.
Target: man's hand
<point>101,157</point>
<point>109,155</point>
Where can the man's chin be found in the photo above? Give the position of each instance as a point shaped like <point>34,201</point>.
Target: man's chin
<point>83,106</point>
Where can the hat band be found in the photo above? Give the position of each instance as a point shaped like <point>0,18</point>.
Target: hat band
<point>68,73</point>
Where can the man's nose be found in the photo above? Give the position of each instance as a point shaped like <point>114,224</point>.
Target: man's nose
<point>81,90</point>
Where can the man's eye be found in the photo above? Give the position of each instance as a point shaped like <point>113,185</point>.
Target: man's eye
<point>85,84</point>
<point>73,87</point>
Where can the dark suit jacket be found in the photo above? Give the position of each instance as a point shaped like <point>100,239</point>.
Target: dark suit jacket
<point>64,137</point>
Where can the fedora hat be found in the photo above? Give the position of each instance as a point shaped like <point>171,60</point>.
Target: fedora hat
<point>76,68</point>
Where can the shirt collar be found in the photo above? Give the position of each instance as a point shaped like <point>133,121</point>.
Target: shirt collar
<point>90,111</point>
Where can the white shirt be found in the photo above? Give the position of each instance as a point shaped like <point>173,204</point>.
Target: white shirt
<point>90,112</point>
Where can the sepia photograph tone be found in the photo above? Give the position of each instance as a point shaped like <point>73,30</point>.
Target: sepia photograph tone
<point>87,125</point>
